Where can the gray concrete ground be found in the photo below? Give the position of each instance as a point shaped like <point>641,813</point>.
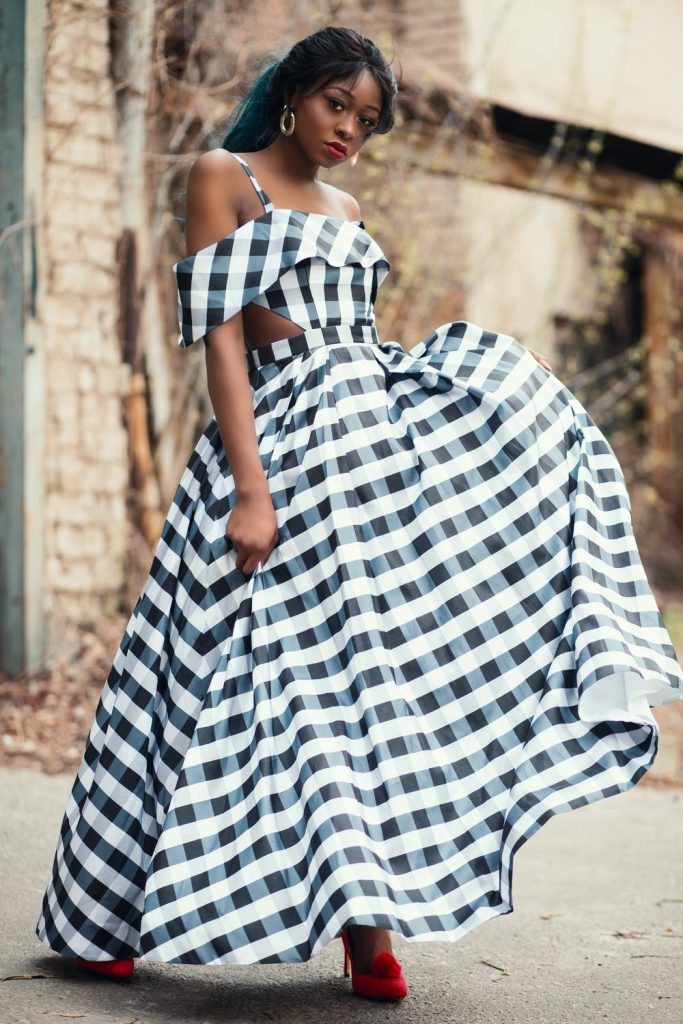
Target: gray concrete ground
<point>596,935</point>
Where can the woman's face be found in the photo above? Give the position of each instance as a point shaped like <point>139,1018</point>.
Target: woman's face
<point>341,114</point>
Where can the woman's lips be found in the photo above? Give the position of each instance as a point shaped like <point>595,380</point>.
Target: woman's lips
<point>335,151</point>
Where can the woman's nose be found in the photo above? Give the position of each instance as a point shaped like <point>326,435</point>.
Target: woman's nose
<point>346,127</point>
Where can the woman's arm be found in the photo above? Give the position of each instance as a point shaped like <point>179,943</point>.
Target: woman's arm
<point>212,213</point>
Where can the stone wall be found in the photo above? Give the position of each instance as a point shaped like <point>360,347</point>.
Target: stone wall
<point>88,537</point>
<point>86,467</point>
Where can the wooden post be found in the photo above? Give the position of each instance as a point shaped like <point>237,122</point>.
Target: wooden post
<point>22,394</point>
<point>134,40</point>
<point>663,324</point>
<point>22,403</point>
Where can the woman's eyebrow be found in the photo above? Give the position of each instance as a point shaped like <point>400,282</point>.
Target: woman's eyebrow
<point>349,93</point>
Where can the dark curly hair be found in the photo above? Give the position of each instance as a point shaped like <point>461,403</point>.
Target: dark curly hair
<point>331,53</point>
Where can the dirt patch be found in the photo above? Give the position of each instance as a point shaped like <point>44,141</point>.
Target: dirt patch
<point>45,719</point>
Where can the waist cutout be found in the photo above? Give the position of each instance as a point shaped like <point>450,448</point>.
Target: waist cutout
<point>285,349</point>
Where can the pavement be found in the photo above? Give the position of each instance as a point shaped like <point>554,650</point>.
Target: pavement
<point>596,935</point>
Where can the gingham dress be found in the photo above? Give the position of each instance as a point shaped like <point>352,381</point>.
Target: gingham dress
<point>453,640</point>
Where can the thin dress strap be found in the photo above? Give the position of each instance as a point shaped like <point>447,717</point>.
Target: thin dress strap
<point>261,194</point>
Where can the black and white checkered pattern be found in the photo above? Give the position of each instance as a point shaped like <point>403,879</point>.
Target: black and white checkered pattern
<point>312,269</point>
<point>453,640</point>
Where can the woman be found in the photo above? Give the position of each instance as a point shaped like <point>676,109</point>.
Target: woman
<point>396,618</point>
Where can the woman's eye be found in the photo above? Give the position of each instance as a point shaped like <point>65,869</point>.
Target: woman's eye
<point>368,123</point>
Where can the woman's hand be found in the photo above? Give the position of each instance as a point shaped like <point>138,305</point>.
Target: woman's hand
<point>252,529</point>
<point>540,359</point>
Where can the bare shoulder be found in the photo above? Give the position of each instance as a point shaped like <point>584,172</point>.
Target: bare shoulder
<point>345,200</point>
<point>214,197</point>
<point>215,168</point>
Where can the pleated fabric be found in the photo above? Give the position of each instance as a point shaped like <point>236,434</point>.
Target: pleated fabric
<point>453,640</point>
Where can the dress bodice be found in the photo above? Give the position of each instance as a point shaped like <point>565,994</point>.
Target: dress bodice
<point>313,269</point>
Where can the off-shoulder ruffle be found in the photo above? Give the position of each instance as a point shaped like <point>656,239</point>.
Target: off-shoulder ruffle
<point>218,280</point>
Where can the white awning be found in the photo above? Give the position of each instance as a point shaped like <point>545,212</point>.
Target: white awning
<point>609,64</point>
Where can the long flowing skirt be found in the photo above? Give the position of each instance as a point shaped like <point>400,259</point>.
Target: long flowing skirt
<point>453,640</point>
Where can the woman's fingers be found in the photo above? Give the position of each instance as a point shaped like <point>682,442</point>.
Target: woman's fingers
<point>248,563</point>
<point>540,359</point>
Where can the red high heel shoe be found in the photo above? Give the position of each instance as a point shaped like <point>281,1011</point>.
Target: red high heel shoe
<point>385,980</point>
<point>113,968</point>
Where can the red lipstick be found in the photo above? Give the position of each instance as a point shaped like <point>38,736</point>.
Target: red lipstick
<point>336,150</point>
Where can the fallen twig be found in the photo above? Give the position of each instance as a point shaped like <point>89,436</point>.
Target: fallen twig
<point>28,977</point>
<point>655,956</point>
<point>504,971</point>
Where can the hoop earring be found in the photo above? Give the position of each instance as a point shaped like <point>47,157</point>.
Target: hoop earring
<point>285,110</point>
<point>354,160</point>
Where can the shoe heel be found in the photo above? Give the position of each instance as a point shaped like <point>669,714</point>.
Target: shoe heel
<point>347,961</point>
<point>108,968</point>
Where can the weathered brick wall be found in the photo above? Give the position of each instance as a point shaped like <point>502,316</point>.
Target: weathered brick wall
<point>86,447</point>
<point>88,538</point>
